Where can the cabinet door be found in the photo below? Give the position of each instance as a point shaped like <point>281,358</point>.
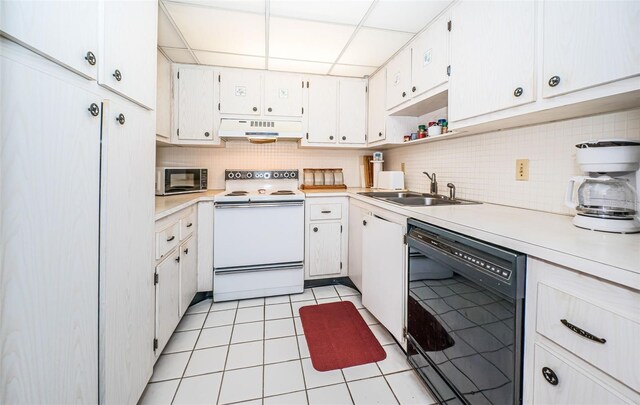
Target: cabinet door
<point>127,254</point>
<point>399,79</point>
<point>283,94</point>
<point>163,98</point>
<point>195,104</point>
<point>323,112</point>
<point>430,57</point>
<point>376,114</point>
<point>491,57</point>
<point>64,31</point>
<point>352,111</point>
<point>188,273</point>
<point>383,272</point>
<point>129,49</point>
<point>356,216</point>
<point>50,176</point>
<point>167,299</point>
<point>586,44</point>
<point>240,92</point>
<point>325,243</point>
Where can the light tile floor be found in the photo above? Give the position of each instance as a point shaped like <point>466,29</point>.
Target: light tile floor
<point>254,352</point>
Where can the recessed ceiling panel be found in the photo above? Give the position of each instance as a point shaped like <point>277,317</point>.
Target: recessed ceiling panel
<point>251,6</point>
<point>404,15</point>
<point>372,47</point>
<point>217,30</point>
<point>167,35</point>
<point>352,70</point>
<point>306,40</point>
<point>286,65</point>
<point>342,12</point>
<point>225,59</point>
<point>179,55</point>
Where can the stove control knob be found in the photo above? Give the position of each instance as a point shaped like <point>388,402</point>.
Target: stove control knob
<point>230,175</point>
<point>286,174</point>
<point>276,175</point>
<point>267,175</point>
<point>249,175</point>
<point>293,175</point>
<point>238,175</point>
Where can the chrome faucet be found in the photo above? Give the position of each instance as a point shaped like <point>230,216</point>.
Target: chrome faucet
<point>434,184</point>
<point>452,191</point>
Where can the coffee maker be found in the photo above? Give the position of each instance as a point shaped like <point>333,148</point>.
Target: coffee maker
<point>607,199</point>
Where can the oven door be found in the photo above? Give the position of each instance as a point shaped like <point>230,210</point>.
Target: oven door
<point>250,234</point>
<point>464,337</point>
<point>179,180</point>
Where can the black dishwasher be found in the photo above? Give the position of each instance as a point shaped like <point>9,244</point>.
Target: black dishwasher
<point>465,316</point>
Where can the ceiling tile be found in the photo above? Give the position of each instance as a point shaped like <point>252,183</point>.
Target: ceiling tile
<point>305,40</point>
<point>352,70</point>
<point>404,15</point>
<point>167,35</point>
<point>251,6</point>
<point>372,47</point>
<point>217,30</point>
<point>342,12</point>
<point>287,65</point>
<point>225,59</point>
<point>179,55</point>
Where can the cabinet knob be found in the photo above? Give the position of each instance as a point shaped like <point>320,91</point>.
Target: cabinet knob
<point>379,133</point>
<point>518,91</point>
<point>178,259</point>
<point>315,229</point>
<point>120,119</point>
<point>186,251</point>
<point>364,223</point>
<point>550,376</point>
<point>269,109</point>
<point>413,89</point>
<point>206,134</point>
<point>117,75</point>
<point>331,137</point>
<point>554,81</point>
<point>404,94</point>
<point>94,109</point>
<point>91,58</point>
<point>344,138</point>
<point>255,109</point>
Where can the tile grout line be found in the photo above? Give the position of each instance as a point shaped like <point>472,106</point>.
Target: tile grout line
<point>224,367</point>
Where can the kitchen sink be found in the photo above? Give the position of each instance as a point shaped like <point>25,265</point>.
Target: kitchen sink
<point>415,199</point>
<point>391,194</point>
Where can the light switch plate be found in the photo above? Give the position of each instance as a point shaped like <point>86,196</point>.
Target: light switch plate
<point>522,169</point>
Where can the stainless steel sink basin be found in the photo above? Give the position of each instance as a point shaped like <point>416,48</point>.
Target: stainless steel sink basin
<point>423,201</point>
<point>415,199</point>
<point>391,194</point>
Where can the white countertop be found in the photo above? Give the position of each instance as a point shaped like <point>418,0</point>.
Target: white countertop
<point>543,235</point>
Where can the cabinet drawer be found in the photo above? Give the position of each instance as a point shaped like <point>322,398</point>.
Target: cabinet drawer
<point>572,386</point>
<point>325,211</point>
<point>599,336</point>
<point>167,239</point>
<point>187,225</point>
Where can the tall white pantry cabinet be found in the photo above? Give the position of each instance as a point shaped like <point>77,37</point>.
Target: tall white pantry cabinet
<point>77,157</point>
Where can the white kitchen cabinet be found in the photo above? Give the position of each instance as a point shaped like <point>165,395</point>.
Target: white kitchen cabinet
<point>376,113</point>
<point>49,235</point>
<point>167,294</point>
<point>128,49</point>
<point>240,91</point>
<point>357,214</point>
<point>64,31</point>
<point>587,44</point>
<point>352,111</point>
<point>205,246</point>
<point>126,259</point>
<point>283,94</point>
<point>195,105</point>
<point>492,58</point>
<point>163,99</point>
<point>399,79</point>
<point>188,273</point>
<point>322,111</point>
<point>430,57</point>
<point>327,241</point>
<point>384,272</point>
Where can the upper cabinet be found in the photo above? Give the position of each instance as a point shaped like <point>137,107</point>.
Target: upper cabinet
<point>430,57</point>
<point>322,102</point>
<point>128,49</point>
<point>352,111</point>
<point>376,108</point>
<point>41,26</point>
<point>163,99</point>
<point>492,58</point>
<point>240,92</point>
<point>195,104</point>
<point>586,44</point>
<point>399,79</point>
<point>283,94</point>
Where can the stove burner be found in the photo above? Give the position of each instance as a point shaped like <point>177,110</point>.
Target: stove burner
<point>237,193</point>
<point>283,192</point>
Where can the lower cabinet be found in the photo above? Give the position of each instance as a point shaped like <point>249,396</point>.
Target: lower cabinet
<point>167,281</point>
<point>326,242</point>
<point>188,273</point>
<point>356,216</point>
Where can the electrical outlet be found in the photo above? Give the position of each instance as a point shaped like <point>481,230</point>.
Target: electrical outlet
<point>402,168</point>
<point>522,169</point>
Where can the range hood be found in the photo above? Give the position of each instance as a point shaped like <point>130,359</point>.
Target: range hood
<point>260,130</point>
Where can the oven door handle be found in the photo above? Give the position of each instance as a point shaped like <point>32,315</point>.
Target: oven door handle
<point>252,269</point>
<point>258,205</point>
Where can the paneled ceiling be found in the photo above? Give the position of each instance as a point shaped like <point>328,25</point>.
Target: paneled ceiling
<point>335,37</point>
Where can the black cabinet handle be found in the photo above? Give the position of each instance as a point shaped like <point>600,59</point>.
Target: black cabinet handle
<point>326,212</point>
<point>190,224</point>
<point>255,109</point>
<point>186,251</point>
<point>206,134</point>
<point>554,81</point>
<point>364,223</point>
<point>120,119</point>
<point>413,89</point>
<point>344,138</point>
<point>331,137</point>
<point>94,109</point>
<point>518,91</point>
<point>582,332</point>
<point>117,75</point>
<point>379,133</point>
<point>178,259</point>
<point>315,229</point>
<point>550,376</point>
<point>171,238</point>
<point>269,109</point>
<point>404,94</point>
<point>91,58</point>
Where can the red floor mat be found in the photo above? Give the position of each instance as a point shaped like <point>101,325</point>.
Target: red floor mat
<point>338,337</point>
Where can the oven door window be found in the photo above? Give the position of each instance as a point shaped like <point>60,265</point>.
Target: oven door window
<point>464,329</point>
<point>182,180</point>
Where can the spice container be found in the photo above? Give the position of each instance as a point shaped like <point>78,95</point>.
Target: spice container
<point>328,178</point>
<point>308,177</point>
<point>338,178</point>
<point>318,178</point>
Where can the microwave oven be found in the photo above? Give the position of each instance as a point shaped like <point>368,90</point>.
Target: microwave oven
<point>179,180</point>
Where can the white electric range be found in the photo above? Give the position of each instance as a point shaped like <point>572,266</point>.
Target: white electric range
<point>258,235</point>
